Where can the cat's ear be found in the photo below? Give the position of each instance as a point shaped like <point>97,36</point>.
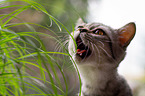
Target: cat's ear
<point>79,21</point>
<point>126,34</point>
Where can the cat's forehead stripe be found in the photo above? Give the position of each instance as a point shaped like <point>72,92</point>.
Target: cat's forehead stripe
<point>95,25</point>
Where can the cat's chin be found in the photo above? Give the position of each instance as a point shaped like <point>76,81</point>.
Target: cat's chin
<point>79,59</point>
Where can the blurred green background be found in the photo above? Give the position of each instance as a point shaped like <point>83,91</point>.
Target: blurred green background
<point>34,36</point>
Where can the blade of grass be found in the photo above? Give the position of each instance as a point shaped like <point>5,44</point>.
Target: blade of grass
<point>17,11</point>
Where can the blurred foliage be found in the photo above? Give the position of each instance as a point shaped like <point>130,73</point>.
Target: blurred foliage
<point>29,66</point>
<point>66,11</point>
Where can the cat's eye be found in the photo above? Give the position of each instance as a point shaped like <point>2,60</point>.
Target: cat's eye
<point>99,32</point>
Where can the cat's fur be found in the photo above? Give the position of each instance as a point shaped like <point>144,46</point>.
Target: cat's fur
<point>99,56</point>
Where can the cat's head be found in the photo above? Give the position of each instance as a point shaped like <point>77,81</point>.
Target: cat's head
<point>96,44</point>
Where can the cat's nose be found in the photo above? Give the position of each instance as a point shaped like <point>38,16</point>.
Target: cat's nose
<point>83,30</point>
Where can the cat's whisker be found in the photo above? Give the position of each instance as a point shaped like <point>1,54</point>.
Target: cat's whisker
<point>88,37</point>
<point>86,52</point>
<point>101,43</point>
<point>57,47</point>
<point>111,58</point>
<point>107,41</point>
<point>66,42</point>
<point>92,46</point>
<point>80,44</point>
<point>98,53</point>
<point>105,52</point>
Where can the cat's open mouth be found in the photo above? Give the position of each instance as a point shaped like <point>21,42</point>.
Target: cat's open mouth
<point>82,50</point>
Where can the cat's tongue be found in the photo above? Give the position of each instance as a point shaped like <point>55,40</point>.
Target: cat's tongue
<point>80,52</point>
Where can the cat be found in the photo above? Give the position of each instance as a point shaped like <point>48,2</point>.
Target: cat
<point>97,50</point>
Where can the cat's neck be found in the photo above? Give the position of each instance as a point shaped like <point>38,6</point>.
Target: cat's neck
<point>92,76</point>
<point>95,80</point>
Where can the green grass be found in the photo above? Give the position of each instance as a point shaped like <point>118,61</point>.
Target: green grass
<point>20,50</point>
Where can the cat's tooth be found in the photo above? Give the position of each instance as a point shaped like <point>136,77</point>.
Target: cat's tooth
<point>79,53</point>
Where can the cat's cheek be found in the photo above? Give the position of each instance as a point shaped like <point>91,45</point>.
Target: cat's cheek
<point>79,61</point>
<point>75,34</point>
<point>71,48</point>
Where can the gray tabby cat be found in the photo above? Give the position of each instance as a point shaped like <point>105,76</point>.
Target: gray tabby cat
<point>98,53</point>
